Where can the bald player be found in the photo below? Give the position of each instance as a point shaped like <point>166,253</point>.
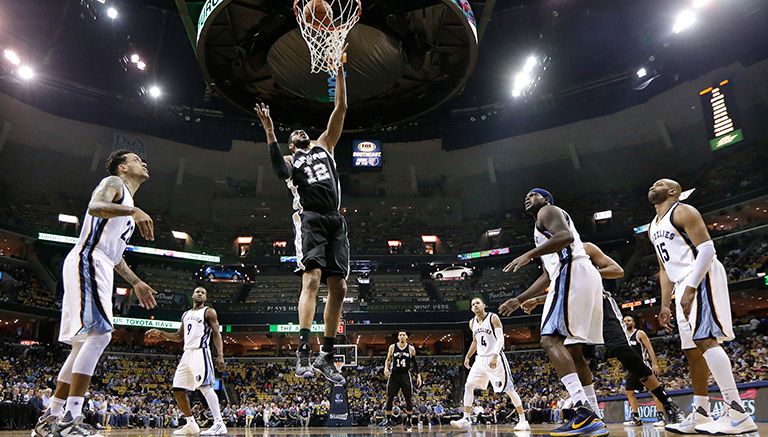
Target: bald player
<point>689,269</point>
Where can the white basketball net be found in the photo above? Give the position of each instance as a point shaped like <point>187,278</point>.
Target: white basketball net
<point>325,36</point>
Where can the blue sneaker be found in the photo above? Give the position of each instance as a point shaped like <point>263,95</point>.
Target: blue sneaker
<point>585,422</point>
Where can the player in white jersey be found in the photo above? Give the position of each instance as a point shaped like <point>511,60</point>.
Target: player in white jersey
<point>689,269</point>
<point>195,370</point>
<point>573,311</point>
<point>490,365</point>
<point>87,277</point>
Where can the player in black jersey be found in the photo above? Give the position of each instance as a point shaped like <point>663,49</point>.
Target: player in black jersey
<point>322,247</point>
<point>401,357</point>
<point>641,344</point>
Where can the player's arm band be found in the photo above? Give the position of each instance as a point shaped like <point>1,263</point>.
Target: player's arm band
<point>415,364</point>
<point>278,163</point>
<point>706,254</point>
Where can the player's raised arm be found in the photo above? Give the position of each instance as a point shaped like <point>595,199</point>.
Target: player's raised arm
<point>144,292</point>
<point>280,163</point>
<point>103,205</point>
<point>213,321</point>
<point>332,133</point>
<point>607,266</point>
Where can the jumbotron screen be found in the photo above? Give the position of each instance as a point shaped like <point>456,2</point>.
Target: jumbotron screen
<point>366,153</point>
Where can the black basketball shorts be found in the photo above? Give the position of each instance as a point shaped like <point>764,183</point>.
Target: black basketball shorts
<point>321,242</point>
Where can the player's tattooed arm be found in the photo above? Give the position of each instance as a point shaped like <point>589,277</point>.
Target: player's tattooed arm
<point>388,361</point>
<point>538,288</point>
<point>144,293</point>
<point>103,205</point>
<point>213,321</point>
<point>331,136</point>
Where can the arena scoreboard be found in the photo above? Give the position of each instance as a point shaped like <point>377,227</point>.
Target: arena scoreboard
<point>717,103</point>
<point>366,153</point>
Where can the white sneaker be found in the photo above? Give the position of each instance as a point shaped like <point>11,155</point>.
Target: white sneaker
<point>522,425</point>
<point>659,423</point>
<point>732,422</point>
<point>191,428</point>
<point>218,428</point>
<point>464,422</point>
<point>69,427</point>
<point>697,418</point>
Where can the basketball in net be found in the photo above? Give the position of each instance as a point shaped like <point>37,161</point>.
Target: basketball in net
<point>324,25</point>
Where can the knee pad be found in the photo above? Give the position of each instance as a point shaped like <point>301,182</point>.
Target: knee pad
<point>632,362</point>
<point>90,352</point>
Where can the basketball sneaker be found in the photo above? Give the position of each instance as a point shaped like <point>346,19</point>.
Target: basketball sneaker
<point>584,422</point>
<point>673,413</point>
<point>218,428</point>
<point>464,422</point>
<point>303,367</point>
<point>191,428</point>
<point>73,427</point>
<point>688,426</point>
<point>522,425</point>
<point>634,421</point>
<point>324,363</point>
<point>733,421</point>
<point>44,424</point>
<point>660,422</point>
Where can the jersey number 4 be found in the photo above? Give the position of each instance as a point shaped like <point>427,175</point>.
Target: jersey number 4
<point>662,252</point>
<point>317,172</point>
<point>482,341</point>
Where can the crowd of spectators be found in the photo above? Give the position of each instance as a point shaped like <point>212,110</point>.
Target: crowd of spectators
<point>133,390</point>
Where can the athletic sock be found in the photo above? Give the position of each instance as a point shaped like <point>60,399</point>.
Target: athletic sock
<point>190,419</point>
<point>589,392</point>
<point>75,406</point>
<point>304,334</point>
<point>328,343</point>
<point>409,420</point>
<point>573,385</point>
<point>389,419</point>
<point>701,401</point>
<point>57,406</point>
<point>720,366</point>
<point>661,395</point>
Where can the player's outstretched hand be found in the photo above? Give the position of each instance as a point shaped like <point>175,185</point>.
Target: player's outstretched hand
<point>145,294</point>
<point>518,263</point>
<point>262,111</point>
<point>529,305</point>
<point>509,307</point>
<point>665,319</point>
<point>144,223</point>
<point>152,333</point>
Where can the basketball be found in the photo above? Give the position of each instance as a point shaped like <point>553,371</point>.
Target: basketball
<point>318,12</point>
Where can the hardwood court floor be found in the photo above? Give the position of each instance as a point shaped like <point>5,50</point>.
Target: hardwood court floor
<point>434,431</point>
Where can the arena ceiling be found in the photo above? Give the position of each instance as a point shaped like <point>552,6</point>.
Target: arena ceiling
<point>588,54</point>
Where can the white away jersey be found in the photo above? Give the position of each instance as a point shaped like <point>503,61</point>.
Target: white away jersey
<point>197,333</point>
<point>484,335</point>
<point>106,237</point>
<point>553,261</point>
<point>673,246</point>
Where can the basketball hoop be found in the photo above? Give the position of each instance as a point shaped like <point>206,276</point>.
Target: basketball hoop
<point>324,26</point>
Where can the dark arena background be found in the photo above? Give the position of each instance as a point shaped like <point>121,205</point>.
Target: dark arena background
<point>456,109</point>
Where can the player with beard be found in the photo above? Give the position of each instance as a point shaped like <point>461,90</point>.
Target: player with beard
<point>573,310</point>
<point>689,269</point>
<point>322,246</point>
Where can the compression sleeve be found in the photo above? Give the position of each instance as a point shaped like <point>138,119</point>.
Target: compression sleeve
<point>281,167</point>
<point>499,333</point>
<point>705,255</point>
